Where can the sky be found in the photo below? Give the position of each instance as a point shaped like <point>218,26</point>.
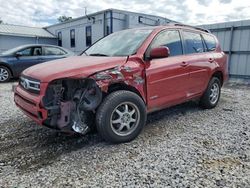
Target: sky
<point>194,12</point>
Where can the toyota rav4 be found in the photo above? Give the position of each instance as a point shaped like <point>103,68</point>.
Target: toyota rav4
<point>122,77</point>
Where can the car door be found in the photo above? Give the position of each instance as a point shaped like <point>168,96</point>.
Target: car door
<point>167,78</point>
<point>26,58</point>
<point>198,60</point>
<point>51,53</point>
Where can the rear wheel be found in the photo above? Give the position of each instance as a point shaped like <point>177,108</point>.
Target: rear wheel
<point>121,117</point>
<point>212,94</point>
<point>5,74</point>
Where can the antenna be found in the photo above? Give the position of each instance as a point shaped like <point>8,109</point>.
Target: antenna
<point>89,18</point>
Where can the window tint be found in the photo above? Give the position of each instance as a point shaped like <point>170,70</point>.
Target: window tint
<point>170,39</point>
<point>26,52</point>
<point>37,51</point>
<point>88,36</point>
<point>72,38</point>
<point>53,51</point>
<point>59,36</point>
<point>210,42</point>
<point>193,42</point>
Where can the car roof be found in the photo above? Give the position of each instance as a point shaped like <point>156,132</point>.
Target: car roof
<point>34,45</point>
<point>43,45</point>
<point>175,26</point>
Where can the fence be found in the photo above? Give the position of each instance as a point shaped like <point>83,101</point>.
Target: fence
<point>234,38</point>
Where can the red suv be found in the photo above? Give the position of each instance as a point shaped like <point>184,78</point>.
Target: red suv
<point>122,77</point>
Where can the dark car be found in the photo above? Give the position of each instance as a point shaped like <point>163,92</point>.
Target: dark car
<point>14,61</point>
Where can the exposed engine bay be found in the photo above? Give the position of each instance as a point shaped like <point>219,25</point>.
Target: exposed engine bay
<point>71,104</point>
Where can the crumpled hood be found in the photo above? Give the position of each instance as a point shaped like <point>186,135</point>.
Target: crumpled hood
<point>77,66</point>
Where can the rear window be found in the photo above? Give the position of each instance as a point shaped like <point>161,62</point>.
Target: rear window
<point>53,51</point>
<point>210,42</point>
<point>193,42</point>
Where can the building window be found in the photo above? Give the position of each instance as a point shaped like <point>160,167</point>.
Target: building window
<point>88,36</point>
<point>140,19</point>
<point>59,36</point>
<point>108,30</point>
<point>72,38</point>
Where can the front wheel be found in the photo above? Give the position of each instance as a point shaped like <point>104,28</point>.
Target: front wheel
<point>4,74</point>
<point>121,117</point>
<point>212,94</point>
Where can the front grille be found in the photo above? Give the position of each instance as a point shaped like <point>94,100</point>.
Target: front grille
<point>30,84</point>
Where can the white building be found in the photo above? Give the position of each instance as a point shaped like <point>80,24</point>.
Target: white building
<point>79,33</point>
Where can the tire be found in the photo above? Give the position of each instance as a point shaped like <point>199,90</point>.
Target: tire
<point>212,94</point>
<point>121,117</point>
<point>5,74</point>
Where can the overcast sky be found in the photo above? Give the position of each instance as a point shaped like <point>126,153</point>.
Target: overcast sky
<point>46,12</point>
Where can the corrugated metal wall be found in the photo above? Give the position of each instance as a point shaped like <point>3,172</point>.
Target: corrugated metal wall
<point>234,38</point>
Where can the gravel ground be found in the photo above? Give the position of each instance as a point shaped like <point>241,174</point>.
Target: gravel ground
<point>183,146</point>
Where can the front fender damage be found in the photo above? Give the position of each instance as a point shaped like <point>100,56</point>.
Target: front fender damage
<point>71,102</point>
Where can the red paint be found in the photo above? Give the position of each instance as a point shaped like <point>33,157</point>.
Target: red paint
<point>161,82</point>
<point>159,52</point>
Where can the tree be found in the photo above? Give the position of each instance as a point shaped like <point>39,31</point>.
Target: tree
<point>64,19</point>
<point>1,21</point>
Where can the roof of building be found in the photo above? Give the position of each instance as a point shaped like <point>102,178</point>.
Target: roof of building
<point>17,30</point>
<point>106,10</point>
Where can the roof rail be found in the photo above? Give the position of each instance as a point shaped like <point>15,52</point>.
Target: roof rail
<point>194,27</point>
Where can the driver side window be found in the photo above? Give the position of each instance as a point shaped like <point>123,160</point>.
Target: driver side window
<point>170,39</point>
<point>26,52</point>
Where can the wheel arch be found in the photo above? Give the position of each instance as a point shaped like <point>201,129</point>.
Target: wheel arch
<point>218,74</point>
<point>122,86</point>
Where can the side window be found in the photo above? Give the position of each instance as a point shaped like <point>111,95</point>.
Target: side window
<point>193,42</point>
<point>59,36</point>
<point>72,38</point>
<point>53,51</point>
<point>210,42</point>
<point>37,51</point>
<point>26,52</point>
<point>170,39</point>
<point>88,36</point>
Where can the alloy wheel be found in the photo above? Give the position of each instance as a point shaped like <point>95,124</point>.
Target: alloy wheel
<point>125,119</point>
<point>214,93</point>
<point>4,74</point>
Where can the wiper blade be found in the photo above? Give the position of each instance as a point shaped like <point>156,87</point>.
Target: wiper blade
<point>98,54</point>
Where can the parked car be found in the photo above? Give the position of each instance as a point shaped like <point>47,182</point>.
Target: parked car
<point>121,78</point>
<point>14,61</point>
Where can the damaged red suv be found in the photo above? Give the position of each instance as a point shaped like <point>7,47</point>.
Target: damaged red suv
<point>122,77</point>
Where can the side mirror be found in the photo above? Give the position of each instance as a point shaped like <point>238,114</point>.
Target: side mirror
<point>159,52</point>
<point>18,54</point>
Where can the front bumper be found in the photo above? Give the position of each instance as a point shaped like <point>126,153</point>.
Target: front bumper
<point>30,104</point>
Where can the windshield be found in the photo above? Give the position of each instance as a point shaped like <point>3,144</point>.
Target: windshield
<point>12,51</point>
<point>121,43</point>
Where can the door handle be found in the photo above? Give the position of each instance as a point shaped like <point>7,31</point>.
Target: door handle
<point>211,60</point>
<point>184,64</point>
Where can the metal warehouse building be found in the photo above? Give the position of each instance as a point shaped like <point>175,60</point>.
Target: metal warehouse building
<point>79,33</point>
<point>234,38</point>
<point>12,36</point>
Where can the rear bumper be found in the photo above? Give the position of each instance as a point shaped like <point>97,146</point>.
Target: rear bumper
<point>30,104</point>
